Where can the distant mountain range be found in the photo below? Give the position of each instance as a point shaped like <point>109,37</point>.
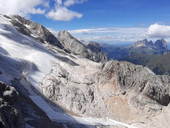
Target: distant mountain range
<point>154,55</point>
<point>139,47</point>
<point>159,64</point>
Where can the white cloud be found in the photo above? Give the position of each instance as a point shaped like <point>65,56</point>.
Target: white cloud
<point>110,30</point>
<point>159,31</point>
<point>26,7</point>
<point>37,11</point>
<point>59,2</point>
<point>72,2</point>
<point>112,34</point>
<point>63,14</point>
<point>20,7</point>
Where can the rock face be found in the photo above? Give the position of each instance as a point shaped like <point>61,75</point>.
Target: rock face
<point>74,89</point>
<point>116,89</point>
<point>141,80</point>
<point>95,52</point>
<point>160,45</point>
<point>143,43</point>
<point>72,44</point>
<point>34,30</point>
<point>10,117</point>
<point>92,51</point>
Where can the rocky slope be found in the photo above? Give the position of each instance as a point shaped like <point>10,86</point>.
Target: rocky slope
<point>35,30</point>
<point>61,86</point>
<point>67,42</point>
<point>92,51</point>
<point>10,115</point>
<point>102,91</point>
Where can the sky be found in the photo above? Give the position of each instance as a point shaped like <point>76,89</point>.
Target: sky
<point>110,21</point>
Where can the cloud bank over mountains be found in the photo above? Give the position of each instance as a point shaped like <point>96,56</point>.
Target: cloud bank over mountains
<point>60,12</point>
<point>159,31</point>
<point>123,34</point>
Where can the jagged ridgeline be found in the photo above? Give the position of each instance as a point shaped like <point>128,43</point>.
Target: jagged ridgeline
<point>144,52</point>
<point>62,82</point>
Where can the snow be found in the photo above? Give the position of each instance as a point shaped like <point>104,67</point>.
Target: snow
<point>34,57</point>
<point>63,117</point>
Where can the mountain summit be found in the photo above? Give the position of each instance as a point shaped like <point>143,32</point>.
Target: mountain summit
<point>92,51</point>
<point>160,45</point>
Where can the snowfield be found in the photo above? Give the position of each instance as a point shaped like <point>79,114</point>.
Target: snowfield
<point>35,60</point>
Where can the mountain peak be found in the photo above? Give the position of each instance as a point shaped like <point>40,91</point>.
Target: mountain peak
<point>159,44</point>
<point>92,51</point>
<point>35,30</point>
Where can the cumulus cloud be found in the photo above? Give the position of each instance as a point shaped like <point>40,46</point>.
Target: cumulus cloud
<point>20,7</point>
<point>159,31</point>
<point>26,7</point>
<point>59,2</point>
<point>63,14</point>
<point>72,2</point>
<point>38,11</point>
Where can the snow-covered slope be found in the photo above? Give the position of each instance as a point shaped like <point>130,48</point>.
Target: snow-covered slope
<point>34,60</point>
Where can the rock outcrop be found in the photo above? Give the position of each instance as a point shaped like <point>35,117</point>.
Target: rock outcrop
<point>74,89</point>
<point>72,44</point>
<point>10,117</point>
<point>139,82</point>
<point>92,51</point>
<point>35,30</point>
<point>95,52</point>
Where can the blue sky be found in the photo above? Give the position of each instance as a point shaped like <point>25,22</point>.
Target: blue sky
<point>110,13</point>
<point>103,21</point>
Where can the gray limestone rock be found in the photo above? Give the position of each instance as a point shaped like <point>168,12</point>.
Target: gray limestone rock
<point>72,44</point>
<point>92,51</point>
<point>35,30</point>
<point>138,80</point>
